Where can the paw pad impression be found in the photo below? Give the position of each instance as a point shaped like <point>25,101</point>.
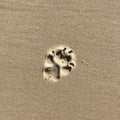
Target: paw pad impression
<point>59,62</point>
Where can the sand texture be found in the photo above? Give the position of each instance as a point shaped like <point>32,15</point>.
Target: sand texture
<point>91,28</point>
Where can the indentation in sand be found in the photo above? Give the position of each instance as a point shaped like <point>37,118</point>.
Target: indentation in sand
<point>59,62</point>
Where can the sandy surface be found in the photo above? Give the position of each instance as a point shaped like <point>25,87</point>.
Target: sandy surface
<point>28,28</point>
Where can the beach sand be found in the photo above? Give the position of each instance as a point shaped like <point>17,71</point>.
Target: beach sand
<point>91,28</point>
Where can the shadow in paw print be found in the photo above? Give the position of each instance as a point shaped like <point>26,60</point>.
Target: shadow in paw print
<point>67,68</point>
<point>55,71</point>
<point>55,68</point>
<point>70,51</point>
<point>50,57</point>
<point>63,55</point>
<point>72,64</point>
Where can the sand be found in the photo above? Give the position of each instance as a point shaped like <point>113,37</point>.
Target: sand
<point>28,28</point>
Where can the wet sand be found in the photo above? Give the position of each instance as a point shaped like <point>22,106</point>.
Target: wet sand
<point>28,28</point>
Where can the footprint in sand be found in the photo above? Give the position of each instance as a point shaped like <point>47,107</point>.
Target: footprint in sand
<point>59,62</point>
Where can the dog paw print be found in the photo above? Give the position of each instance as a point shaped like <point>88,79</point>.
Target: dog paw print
<point>59,62</point>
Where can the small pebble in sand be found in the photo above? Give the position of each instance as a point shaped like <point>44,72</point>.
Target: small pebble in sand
<point>83,61</point>
<point>37,28</point>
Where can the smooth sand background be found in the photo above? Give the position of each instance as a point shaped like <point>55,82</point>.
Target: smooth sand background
<point>28,28</point>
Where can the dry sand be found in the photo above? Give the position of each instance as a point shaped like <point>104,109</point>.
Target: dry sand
<point>28,28</point>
